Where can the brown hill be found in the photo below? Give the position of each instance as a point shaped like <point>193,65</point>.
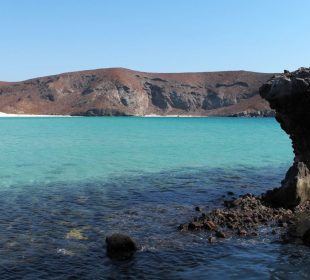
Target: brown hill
<point>118,91</point>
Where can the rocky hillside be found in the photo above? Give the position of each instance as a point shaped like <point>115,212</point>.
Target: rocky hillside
<point>118,91</point>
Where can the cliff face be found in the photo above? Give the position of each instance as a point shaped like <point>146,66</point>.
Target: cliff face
<point>118,91</point>
<point>289,95</point>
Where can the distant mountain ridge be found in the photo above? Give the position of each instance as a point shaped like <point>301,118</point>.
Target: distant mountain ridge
<point>119,91</point>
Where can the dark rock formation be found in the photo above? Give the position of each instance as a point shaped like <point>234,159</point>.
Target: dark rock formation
<point>120,246</point>
<point>250,216</point>
<point>242,216</point>
<point>121,92</point>
<point>289,95</point>
<point>306,237</point>
<point>298,228</point>
<point>265,113</point>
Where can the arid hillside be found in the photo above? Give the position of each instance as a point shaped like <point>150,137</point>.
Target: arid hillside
<point>118,91</point>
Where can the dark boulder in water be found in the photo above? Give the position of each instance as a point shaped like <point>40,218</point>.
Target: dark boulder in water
<point>298,228</point>
<point>306,237</point>
<point>289,95</point>
<point>120,246</point>
<point>220,234</point>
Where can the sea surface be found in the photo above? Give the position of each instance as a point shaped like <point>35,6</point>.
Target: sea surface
<point>67,183</point>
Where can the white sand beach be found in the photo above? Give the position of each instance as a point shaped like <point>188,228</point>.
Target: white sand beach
<point>5,115</point>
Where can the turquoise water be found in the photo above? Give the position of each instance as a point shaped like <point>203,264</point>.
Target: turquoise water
<point>141,176</point>
<point>45,150</point>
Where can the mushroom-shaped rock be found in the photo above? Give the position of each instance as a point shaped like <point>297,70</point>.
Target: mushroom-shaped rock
<point>289,95</point>
<point>120,246</point>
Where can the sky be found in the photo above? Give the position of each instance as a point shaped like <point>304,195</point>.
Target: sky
<point>44,37</point>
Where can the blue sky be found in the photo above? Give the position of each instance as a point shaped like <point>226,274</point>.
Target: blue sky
<point>43,37</point>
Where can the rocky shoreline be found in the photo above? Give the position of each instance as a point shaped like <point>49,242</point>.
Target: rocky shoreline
<point>286,207</point>
<point>246,216</point>
<point>283,212</point>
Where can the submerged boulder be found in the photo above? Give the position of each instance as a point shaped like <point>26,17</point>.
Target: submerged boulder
<point>289,95</point>
<point>120,246</point>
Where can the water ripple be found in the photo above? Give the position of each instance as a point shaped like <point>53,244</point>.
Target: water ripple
<point>48,230</point>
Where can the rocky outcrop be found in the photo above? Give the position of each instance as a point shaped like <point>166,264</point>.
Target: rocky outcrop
<point>242,216</point>
<point>289,95</point>
<point>250,216</point>
<point>118,91</point>
<point>249,113</point>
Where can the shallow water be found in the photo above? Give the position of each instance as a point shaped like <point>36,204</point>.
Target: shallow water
<point>142,176</point>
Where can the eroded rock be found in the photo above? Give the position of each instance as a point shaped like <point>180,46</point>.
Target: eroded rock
<point>289,95</point>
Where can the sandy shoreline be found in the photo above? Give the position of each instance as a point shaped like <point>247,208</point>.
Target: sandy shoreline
<point>5,115</point>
